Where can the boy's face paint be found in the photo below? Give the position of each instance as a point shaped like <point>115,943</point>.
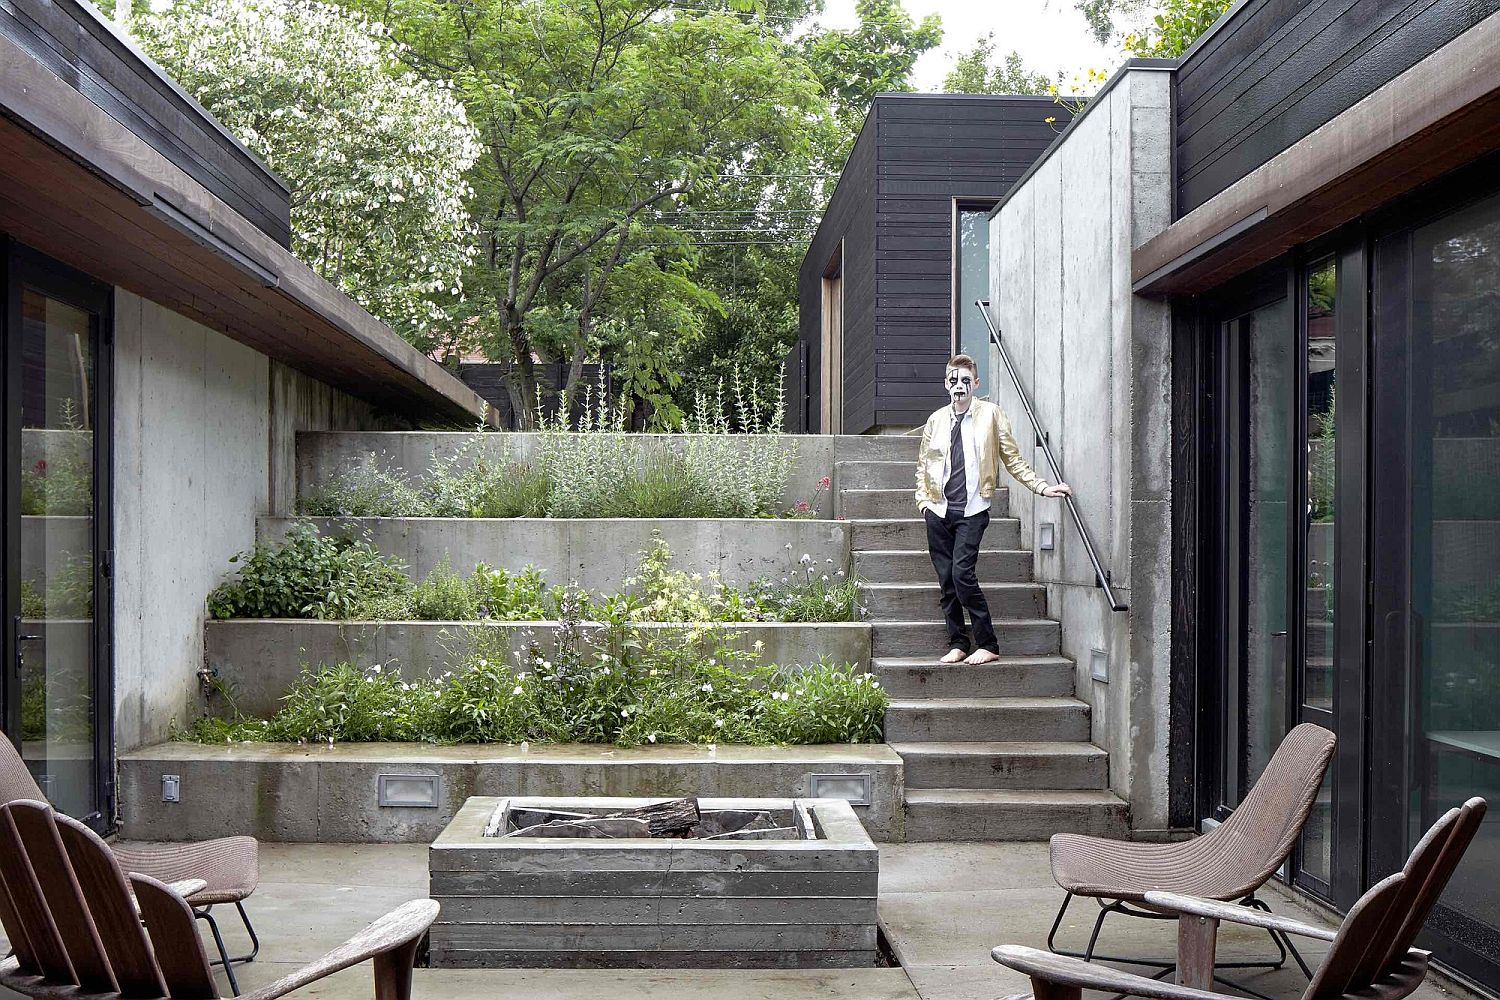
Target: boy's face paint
<point>960,383</point>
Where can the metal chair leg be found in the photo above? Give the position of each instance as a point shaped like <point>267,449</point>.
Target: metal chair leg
<point>213,926</point>
<point>250,930</point>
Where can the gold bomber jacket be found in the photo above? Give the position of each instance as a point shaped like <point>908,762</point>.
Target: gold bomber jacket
<point>995,443</point>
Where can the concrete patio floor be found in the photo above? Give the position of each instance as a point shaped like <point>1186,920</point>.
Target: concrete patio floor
<point>943,906</point>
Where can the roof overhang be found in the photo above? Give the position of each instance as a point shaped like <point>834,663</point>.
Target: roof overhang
<point>80,187</point>
<point>1439,115</point>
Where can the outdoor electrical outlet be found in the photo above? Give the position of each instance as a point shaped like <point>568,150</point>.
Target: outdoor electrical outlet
<point>1046,535</point>
<point>171,788</point>
<point>1099,665</point>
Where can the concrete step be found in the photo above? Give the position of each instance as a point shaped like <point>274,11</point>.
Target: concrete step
<point>877,475</point>
<point>1017,637</point>
<point>1012,814</point>
<point>911,533</point>
<point>1036,765</point>
<point>920,601</point>
<point>915,565</point>
<point>985,719</point>
<point>895,503</point>
<point>1011,677</point>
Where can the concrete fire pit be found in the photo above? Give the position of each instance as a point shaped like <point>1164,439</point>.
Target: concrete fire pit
<point>518,898</point>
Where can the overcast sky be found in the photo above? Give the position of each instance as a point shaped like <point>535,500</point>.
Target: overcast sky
<point>1050,34</point>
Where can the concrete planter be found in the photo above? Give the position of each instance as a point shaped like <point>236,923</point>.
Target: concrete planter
<point>319,794</point>
<point>598,553</point>
<point>579,903</point>
<point>260,658</point>
<point>321,455</point>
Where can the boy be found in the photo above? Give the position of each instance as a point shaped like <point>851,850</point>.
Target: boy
<point>956,473</point>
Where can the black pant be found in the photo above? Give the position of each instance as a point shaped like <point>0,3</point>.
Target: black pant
<point>953,542</point>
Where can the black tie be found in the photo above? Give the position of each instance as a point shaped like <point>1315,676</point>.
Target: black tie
<point>957,490</point>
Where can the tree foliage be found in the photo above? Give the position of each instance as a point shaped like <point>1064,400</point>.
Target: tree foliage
<point>1176,26</point>
<point>601,123</point>
<point>977,71</point>
<point>375,156</point>
<point>874,57</point>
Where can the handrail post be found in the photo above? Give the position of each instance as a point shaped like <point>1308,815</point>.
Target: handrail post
<point>1101,575</point>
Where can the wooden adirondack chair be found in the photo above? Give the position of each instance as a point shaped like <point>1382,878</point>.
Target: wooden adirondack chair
<point>82,929</point>
<point>1371,955</point>
<point>226,869</point>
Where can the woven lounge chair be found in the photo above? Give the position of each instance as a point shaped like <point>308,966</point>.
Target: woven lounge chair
<point>229,867</point>
<point>1370,957</point>
<point>1230,863</point>
<point>82,929</point>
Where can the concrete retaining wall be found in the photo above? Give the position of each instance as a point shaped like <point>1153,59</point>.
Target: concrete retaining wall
<point>1097,361</point>
<point>260,658</point>
<point>305,794</point>
<point>321,456</point>
<point>598,554</point>
<point>643,903</point>
<point>203,428</point>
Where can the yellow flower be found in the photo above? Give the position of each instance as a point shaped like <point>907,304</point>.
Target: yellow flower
<point>1049,120</point>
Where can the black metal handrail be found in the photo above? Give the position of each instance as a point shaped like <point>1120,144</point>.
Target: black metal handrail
<point>1101,575</point>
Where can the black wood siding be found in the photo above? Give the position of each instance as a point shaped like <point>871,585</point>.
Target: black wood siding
<point>894,210</point>
<point>850,220</point>
<point>1278,69</point>
<point>75,43</point>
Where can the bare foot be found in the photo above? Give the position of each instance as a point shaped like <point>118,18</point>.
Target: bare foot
<point>954,655</point>
<point>982,656</point>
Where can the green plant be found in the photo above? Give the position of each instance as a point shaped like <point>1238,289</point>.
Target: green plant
<point>66,593</point>
<point>364,488</point>
<point>445,597</point>
<point>307,574</point>
<point>618,686</point>
<point>807,593</point>
<point>506,596</point>
<point>61,483</point>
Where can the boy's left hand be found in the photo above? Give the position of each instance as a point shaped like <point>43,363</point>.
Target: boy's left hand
<point>1060,490</point>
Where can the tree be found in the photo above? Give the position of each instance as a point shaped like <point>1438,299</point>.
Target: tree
<point>374,155</point>
<point>977,72</point>
<point>876,57</point>
<point>1176,26</point>
<point>600,121</point>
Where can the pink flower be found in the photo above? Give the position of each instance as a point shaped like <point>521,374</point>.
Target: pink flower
<point>825,482</point>
<point>802,507</point>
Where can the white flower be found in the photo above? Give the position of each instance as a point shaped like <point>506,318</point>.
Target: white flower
<point>650,737</point>
<point>375,669</point>
<point>806,559</point>
<point>718,723</point>
<point>517,689</point>
<point>707,688</point>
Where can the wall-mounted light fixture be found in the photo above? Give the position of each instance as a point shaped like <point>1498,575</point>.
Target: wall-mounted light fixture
<point>171,788</point>
<point>853,787</point>
<point>407,791</point>
<point>1099,665</point>
<point>1046,535</point>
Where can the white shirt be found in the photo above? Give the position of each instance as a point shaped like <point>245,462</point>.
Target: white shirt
<point>975,502</point>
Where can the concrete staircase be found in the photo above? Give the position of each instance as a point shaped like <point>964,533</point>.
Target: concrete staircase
<point>999,751</point>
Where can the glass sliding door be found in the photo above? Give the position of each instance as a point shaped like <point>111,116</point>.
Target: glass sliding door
<point>1255,364</point>
<point>1436,683</point>
<point>57,691</point>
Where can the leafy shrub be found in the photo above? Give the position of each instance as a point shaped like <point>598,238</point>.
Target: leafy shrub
<point>506,596</point>
<point>308,574</point>
<point>445,597</point>
<point>365,489</point>
<point>626,690</point>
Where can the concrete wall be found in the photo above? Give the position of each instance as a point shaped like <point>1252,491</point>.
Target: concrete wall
<point>1096,360</point>
<point>203,434</point>
<point>598,554</point>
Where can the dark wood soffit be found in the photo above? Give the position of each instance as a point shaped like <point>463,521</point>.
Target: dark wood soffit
<point>1437,116</point>
<point>80,187</point>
